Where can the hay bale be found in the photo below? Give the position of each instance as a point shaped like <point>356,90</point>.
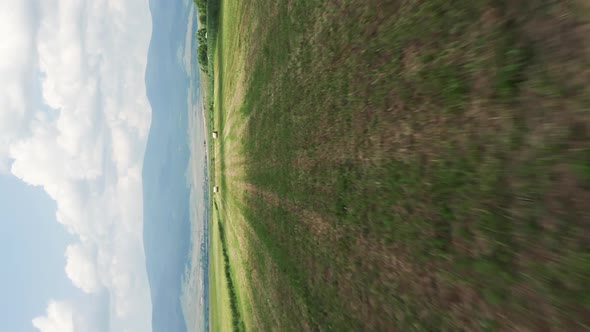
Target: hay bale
<point>216,189</point>
<point>215,134</point>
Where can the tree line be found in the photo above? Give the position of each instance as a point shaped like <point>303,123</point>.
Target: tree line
<point>201,34</point>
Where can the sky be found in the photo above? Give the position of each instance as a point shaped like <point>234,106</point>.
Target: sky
<point>74,120</point>
<point>32,245</point>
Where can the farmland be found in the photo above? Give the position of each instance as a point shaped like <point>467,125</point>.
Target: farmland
<point>405,165</point>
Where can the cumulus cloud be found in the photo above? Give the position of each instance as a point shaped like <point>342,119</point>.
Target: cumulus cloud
<point>74,120</point>
<point>16,73</point>
<point>59,318</point>
<point>73,316</point>
<point>81,268</point>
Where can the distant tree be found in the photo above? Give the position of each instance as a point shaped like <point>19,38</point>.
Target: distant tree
<point>202,10</point>
<point>202,57</point>
<point>202,36</point>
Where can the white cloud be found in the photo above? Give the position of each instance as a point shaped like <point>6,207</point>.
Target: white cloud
<point>81,268</point>
<point>59,318</point>
<point>74,120</point>
<point>16,72</point>
<point>73,316</point>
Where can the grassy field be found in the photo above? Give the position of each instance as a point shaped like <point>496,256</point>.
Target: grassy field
<point>220,311</point>
<point>401,165</point>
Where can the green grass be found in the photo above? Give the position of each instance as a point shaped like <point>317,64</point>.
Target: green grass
<point>237,323</point>
<point>417,164</point>
<point>220,314</point>
<point>223,314</point>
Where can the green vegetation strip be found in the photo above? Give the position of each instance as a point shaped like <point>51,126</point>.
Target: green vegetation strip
<point>212,28</point>
<point>238,324</point>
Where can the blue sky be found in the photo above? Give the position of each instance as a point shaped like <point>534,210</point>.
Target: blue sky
<point>32,251</point>
<point>74,121</point>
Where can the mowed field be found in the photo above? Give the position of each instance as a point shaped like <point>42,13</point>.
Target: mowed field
<point>401,165</point>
